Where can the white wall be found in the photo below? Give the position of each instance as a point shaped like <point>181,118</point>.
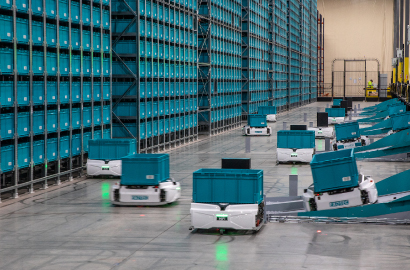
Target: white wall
<point>357,29</point>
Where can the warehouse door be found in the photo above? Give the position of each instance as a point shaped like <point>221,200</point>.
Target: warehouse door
<point>350,77</point>
<point>355,78</point>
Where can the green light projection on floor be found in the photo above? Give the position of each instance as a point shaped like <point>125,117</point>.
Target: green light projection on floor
<point>105,191</point>
<point>294,171</point>
<point>320,145</point>
<point>221,252</point>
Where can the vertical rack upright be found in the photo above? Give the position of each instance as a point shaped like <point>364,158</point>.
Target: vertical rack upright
<point>219,72</point>
<point>43,90</point>
<point>155,72</point>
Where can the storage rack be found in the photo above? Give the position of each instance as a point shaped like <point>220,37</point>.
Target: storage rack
<point>318,54</point>
<point>279,53</point>
<point>313,52</point>
<point>55,89</point>
<point>294,53</point>
<point>305,31</point>
<point>255,56</point>
<point>219,74</point>
<point>155,72</point>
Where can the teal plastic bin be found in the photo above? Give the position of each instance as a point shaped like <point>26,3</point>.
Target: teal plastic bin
<point>296,139</point>
<point>51,8</point>
<point>64,92</point>
<point>23,124</point>
<point>86,139</point>
<point>97,115</point>
<point>63,10</point>
<point>6,93</point>
<point>64,147</point>
<point>76,145</point>
<point>227,186</point>
<point>7,158</point>
<point>23,59</point>
<point>86,91</point>
<point>52,149</point>
<point>22,31</point>
<point>23,154</point>
<point>111,149</point>
<point>257,120</point>
<point>64,119</point>
<point>86,14</point>
<point>51,32</point>
<point>7,125</point>
<point>145,169</point>
<point>76,118</point>
<point>75,12</point>
<point>51,92</point>
<point>87,116</point>
<point>6,28</point>
<point>38,122</point>
<point>38,62</point>
<point>75,38</point>
<point>38,36</point>
<point>347,131</point>
<point>52,122</point>
<point>337,102</point>
<point>265,110</point>
<point>38,92</point>
<point>76,91</point>
<point>106,114</point>
<point>334,170</point>
<point>38,152</point>
<point>335,112</point>
<point>6,63</point>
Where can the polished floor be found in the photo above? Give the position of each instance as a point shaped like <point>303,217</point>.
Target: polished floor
<point>74,226</point>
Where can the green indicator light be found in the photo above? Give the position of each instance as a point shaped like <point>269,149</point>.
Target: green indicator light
<point>320,144</point>
<point>221,215</point>
<point>294,171</point>
<point>178,188</point>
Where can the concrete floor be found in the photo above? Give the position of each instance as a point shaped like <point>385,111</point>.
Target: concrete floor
<point>74,226</point>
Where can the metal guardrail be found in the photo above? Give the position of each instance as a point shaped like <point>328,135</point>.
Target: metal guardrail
<point>8,189</point>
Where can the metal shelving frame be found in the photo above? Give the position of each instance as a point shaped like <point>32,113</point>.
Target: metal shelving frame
<point>279,67</point>
<point>209,88</point>
<point>166,140</point>
<point>40,176</point>
<point>250,106</point>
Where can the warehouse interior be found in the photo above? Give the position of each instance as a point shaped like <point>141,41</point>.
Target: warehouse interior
<point>204,134</point>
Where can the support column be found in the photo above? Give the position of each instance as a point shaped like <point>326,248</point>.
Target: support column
<point>406,45</point>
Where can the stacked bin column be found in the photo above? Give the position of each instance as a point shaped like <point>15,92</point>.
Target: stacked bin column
<point>219,74</point>
<point>46,89</point>
<point>255,55</point>
<point>280,52</point>
<point>155,72</point>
